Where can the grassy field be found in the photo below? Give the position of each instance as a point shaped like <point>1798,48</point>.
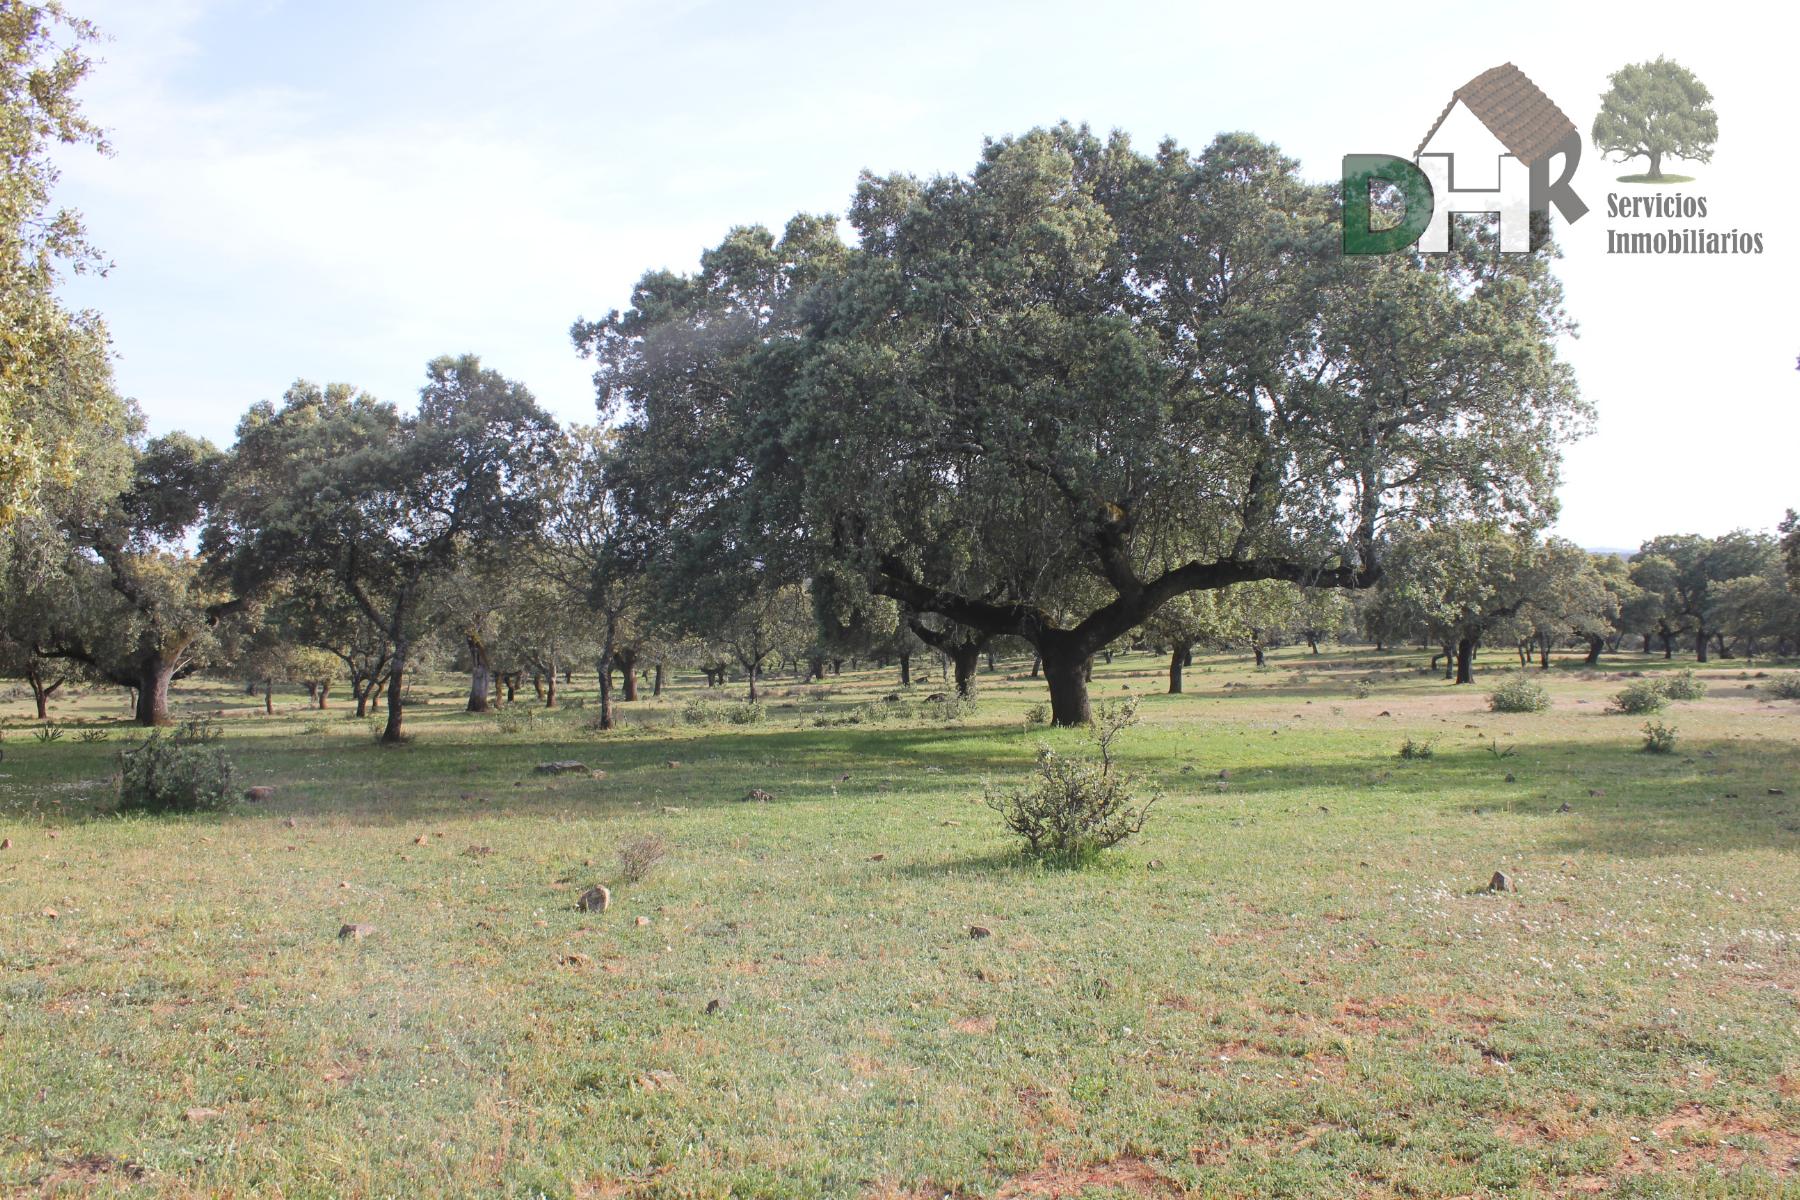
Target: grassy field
<point>1293,984</point>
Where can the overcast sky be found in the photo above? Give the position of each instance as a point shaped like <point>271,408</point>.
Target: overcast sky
<point>340,191</point>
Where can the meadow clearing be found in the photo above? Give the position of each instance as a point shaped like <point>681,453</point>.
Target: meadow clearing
<point>1294,983</point>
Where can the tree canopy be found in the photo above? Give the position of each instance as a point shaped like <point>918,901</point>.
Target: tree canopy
<point>1044,399</point>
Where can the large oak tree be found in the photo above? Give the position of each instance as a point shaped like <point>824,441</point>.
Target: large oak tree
<point>1043,399</point>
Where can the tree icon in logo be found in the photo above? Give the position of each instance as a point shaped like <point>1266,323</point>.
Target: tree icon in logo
<point>1655,109</point>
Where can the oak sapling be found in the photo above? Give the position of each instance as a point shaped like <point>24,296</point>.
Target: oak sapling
<point>1074,807</point>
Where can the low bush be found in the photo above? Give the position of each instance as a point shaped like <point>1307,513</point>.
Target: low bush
<point>515,718</point>
<point>184,770</point>
<point>1036,715</point>
<point>1659,738</point>
<point>1683,686</point>
<point>1785,687</point>
<point>745,712</point>
<point>1644,696</point>
<point>698,710</point>
<point>1075,807</point>
<point>640,856</point>
<point>1410,749</point>
<point>1519,694</point>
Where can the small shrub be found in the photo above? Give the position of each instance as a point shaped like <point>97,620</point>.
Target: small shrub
<point>181,771</point>
<point>1364,689</point>
<point>745,712</point>
<point>1410,749</point>
<point>1075,807</point>
<point>1786,687</point>
<point>49,733</point>
<point>1036,715</point>
<point>698,710</point>
<point>1683,686</point>
<point>1519,694</point>
<point>640,856</point>
<point>90,737</point>
<point>1644,696</point>
<point>515,718</point>
<point>951,709</point>
<point>1659,738</point>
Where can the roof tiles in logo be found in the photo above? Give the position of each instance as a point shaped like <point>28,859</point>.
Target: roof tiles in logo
<point>1515,111</point>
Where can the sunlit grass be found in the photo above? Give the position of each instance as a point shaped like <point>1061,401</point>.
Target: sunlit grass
<point>1293,984</point>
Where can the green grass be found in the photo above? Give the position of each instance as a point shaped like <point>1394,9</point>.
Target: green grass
<point>1293,984</point>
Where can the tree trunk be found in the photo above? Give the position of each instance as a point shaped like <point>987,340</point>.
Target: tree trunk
<point>905,670</point>
<point>393,734</point>
<point>481,676</point>
<point>1465,661</point>
<point>750,669</point>
<point>268,697</point>
<point>1544,652</point>
<point>1646,643</point>
<point>815,667</point>
<point>966,658</point>
<point>1177,659</point>
<point>153,692</point>
<point>1065,669</point>
<point>1312,639</point>
<point>41,691</point>
<point>1700,640</point>
<point>603,669</point>
<point>629,676</point>
<point>1037,665</point>
<point>1656,164</point>
<point>1256,649</point>
<point>656,684</point>
<point>537,685</point>
<point>324,694</point>
<point>1596,644</point>
<point>550,685</point>
<point>512,686</point>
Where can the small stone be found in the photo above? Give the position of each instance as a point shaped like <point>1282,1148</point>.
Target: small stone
<point>1777,791</point>
<point>595,899</point>
<point>343,883</point>
<point>1155,864</point>
<point>758,795</point>
<point>354,932</point>
<point>1501,882</point>
<point>50,913</point>
<point>714,1006</point>
<point>936,698</point>
<point>567,766</point>
<point>290,823</point>
<point>260,794</point>
<point>672,764</point>
<point>642,921</point>
<point>977,932</point>
<point>421,840</point>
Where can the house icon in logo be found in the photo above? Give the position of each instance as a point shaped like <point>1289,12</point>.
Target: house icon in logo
<point>1489,152</point>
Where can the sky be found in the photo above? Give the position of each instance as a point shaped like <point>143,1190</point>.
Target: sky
<point>342,191</point>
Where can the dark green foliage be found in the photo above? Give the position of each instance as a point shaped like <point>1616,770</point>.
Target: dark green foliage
<point>1519,694</point>
<point>1644,696</point>
<point>181,771</point>
<point>1075,807</point>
